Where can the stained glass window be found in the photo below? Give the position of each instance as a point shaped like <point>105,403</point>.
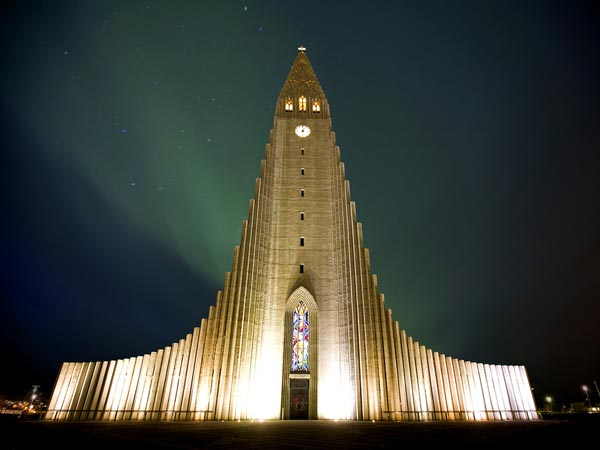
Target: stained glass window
<point>289,105</point>
<point>300,339</point>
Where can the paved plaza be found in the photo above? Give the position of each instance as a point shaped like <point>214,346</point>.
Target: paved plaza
<point>314,434</point>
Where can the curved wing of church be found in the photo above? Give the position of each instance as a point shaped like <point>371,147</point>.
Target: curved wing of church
<point>300,330</point>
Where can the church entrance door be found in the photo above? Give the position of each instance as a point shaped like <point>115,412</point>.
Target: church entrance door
<point>299,398</point>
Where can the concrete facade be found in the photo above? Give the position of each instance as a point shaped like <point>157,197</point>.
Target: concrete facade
<point>302,243</point>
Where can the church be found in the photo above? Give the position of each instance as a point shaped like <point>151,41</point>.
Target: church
<point>300,329</point>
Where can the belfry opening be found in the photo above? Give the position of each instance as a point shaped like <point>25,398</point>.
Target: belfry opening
<point>300,329</point>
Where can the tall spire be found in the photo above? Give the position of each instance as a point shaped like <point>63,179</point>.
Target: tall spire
<point>302,79</point>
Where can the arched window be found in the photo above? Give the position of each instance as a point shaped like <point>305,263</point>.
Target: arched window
<point>289,104</point>
<point>300,338</point>
<point>302,104</point>
<point>316,106</point>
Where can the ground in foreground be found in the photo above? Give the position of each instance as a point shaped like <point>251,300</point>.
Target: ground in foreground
<point>24,434</point>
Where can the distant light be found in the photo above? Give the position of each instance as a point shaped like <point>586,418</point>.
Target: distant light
<point>585,388</point>
<point>549,399</point>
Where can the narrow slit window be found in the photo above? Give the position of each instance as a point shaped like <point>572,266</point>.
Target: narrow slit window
<point>301,192</point>
<point>302,104</point>
<point>316,108</point>
<point>289,105</point>
<point>301,216</point>
<point>301,268</point>
<point>302,151</point>
<point>302,171</point>
<point>301,242</point>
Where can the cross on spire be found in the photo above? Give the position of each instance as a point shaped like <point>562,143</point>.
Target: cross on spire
<point>302,48</point>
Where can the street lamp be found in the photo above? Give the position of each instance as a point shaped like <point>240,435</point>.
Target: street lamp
<point>549,400</point>
<point>587,394</point>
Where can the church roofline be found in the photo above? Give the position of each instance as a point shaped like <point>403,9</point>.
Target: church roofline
<point>302,79</point>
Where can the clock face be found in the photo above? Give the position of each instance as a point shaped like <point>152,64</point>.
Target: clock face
<point>302,130</point>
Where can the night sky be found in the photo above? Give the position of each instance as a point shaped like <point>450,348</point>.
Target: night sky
<point>132,134</point>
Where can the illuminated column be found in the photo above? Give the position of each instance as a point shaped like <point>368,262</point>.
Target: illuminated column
<point>511,394</point>
<point>530,403</point>
<point>495,405</point>
<point>112,392</point>
<point>66,397</point>
<point>100,375</point>
<point>507,392</point>
<point>441,386</point>
<point>57,392</point>
<point>239,291</point>
<point>182,379</point>
<point>106,389</point>
<point>353,283</point>
<point>229,320</point>
<point>415,391</point>
<point>454,366</point>
<point>196,382</point>
<point>203,399</point>
<point>377,336</point>
<point>157,387</point>
<point>469,390</point>
<point>346,312</point>
<point>248,298</point>
<point>487,401</point>
<point>514,406</point>
<point>245,289</point>
<point>132,388</point>
<point>192,354</point>
<point>433,387</point>
<point>455,393</point>
<point>117,388</point>
<point>426,383</point>
<point>516,388</point>
<point>168,364</point>
<point>175,379</point>
<point>501,396</point>
<point>63,399</point>
<point>456,398</point>
<point>476,390</point>
<point>141,394</point>
<point>479,391</point>
<point>350,287</point>
<point>362,318</point>
<point>217,345</point>
<point>67,371</point>
<point>424,407</point>
<point>466,391</point>
<point>83,390</point>
<point>403,378</point>
<point>73,392</point>
<point>121,395</point>
<point>391,371</point>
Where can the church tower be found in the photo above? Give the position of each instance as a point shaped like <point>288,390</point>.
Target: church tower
<point>300,330</point>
